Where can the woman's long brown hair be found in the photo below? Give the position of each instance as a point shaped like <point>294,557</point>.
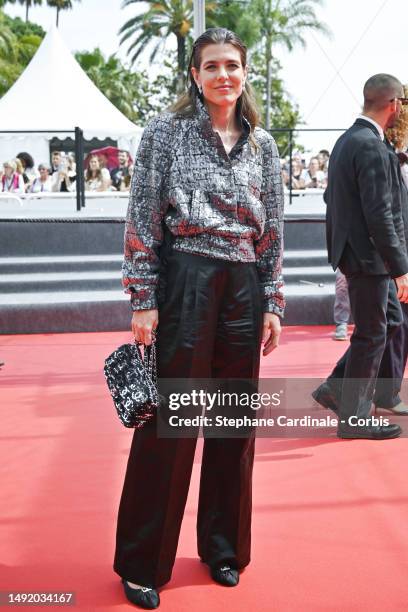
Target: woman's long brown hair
<point>186,105</point>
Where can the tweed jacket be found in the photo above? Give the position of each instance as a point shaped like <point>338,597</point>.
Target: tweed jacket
<point>219,205</point>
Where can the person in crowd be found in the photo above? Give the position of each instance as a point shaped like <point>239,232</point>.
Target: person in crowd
<point>121,171</point>
<point>298,181</point>
<point>300,157</point>
<point>365,239</point>
<point>341,310</point>
<point>43,182</point>
<point>203,252</point>
<point>12,181</point>
<point>56,159</point>
<point>20,171</point>
<point>324,156</point>
<point>313,177</point>
<point>95,177</point>
<point>105,172</point>
<point>398,137</point>
<point>63,180</point>
<point>71,164</point>
<point>403,159</point>
<point>126,179</point>
<point>394,360</point>
<point>29,172</point>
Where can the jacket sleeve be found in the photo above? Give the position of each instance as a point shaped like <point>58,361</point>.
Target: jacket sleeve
<point>269,247</point>
<point>143,228</point>
<point>374,181</point>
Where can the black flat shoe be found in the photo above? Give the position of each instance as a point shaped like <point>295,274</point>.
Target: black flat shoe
<point>225,574</point>
<point>144,597</point>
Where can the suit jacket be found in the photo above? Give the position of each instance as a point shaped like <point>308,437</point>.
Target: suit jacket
<point>362,233</point>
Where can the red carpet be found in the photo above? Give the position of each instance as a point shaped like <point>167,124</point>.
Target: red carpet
<point>329,522</point>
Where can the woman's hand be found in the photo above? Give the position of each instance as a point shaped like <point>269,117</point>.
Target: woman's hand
<point>144,322</point>
<point>271,332</point>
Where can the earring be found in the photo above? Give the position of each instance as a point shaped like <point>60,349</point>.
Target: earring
<point>200,89</point>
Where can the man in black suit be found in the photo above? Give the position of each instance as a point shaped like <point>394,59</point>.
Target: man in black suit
<point>366,241</point>
<point>395,356</point>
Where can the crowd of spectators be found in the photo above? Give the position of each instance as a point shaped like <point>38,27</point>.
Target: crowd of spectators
<point>312,175</point>
<point>20,175</point>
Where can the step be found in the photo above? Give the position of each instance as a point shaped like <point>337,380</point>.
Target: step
<point>34,282</point>
<point>94,236</point>
<point>77,311</point>
<point>33,299</point>
<point>60,263</point>
<point>94,262</point>
<point>308,274</point>
<point>315,257</point>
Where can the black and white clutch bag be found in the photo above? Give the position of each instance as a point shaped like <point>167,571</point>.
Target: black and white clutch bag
<point>132,382</point>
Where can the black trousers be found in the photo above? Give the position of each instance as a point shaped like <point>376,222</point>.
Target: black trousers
<point>210,325</point>
<point>377,315</point>
<point>392,366</point>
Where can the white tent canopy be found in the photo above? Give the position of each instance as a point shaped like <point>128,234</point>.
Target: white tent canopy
<point>54,93</point>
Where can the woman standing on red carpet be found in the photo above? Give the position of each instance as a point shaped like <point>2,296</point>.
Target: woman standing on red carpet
<point>203,251</point>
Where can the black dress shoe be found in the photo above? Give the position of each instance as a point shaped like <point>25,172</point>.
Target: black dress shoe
<point>144,597</point>
<point>325,396</point>
<point>370,432</point>
<point>225,574</point>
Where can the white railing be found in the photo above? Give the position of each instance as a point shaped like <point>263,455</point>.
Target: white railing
<point>50,204</point>
<point>114,204</point>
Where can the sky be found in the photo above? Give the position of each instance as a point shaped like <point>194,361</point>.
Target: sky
<point>325,79</point>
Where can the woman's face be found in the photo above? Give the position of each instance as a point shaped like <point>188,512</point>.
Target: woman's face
<point>43,173</point>
<point>221,74</point>
<point>94,163</point>
<point>8,171</point>
<point>296,166</point>
<point>314,165</point>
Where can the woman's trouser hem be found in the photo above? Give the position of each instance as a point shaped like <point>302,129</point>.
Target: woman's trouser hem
<point>129,574</point>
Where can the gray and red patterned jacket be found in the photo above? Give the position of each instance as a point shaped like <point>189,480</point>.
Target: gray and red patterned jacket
<point>224,206</point>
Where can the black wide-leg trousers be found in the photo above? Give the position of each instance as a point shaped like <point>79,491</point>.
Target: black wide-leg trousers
<point>210,326</point>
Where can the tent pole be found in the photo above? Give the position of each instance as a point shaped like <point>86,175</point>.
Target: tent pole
<point>79,159</point>
<point>82,174</point>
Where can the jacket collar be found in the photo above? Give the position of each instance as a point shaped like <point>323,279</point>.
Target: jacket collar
<point>203,120</point>
<point>376,129</point>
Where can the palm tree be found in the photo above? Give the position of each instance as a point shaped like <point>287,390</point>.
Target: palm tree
<point>235,15</point>
<point>284,22</point>
<point>60,5</point>
<point>111,78</point>
<point>161,20</point>
<point>8,40</point>
<point>4,2</point>
<point>15,53</point>
<point>28,4</point>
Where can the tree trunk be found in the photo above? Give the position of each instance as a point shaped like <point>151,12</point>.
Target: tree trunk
<point>268,84</point>
<point>58,10</point>
<point>181,63</point>
<point>27,7</point>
